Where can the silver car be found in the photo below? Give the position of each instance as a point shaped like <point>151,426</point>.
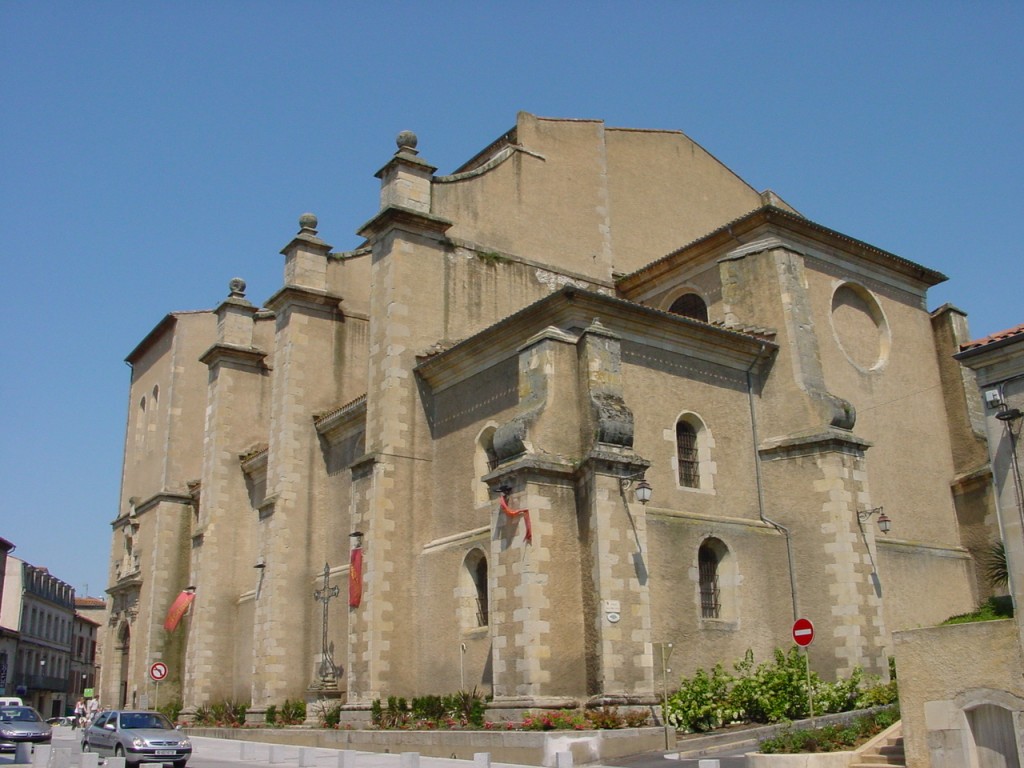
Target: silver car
<point>20,724</point>
<point>138,737</point>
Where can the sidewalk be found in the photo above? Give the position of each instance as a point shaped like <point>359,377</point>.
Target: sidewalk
<point>256,753</point>
<point>264,754</point>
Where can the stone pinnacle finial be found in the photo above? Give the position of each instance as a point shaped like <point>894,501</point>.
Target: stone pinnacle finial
<point>237,288</point>
<point>308,221</point>
<point>407,142</point>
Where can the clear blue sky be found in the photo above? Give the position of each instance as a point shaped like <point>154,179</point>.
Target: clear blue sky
<point>149,152</point>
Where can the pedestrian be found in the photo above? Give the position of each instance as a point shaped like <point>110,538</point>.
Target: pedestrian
<point>79,718</point>
<point>92,708</point>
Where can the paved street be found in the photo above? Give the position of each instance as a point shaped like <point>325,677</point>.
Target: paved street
<point>222,753</point>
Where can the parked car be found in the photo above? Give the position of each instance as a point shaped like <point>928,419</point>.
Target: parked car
<point>138,737</point>
<point>20,724</point>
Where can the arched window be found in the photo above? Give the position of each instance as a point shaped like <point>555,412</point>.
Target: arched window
<point>717,580</point>
<point>476,611</point>
<point>686,454</point>
<point>708,561</point>
<point>140,425</point>
<point>690,305</point>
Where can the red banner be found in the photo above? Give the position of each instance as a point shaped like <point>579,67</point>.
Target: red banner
<point>178,609</point>
<point>513,513</point>
<point>355,577</point>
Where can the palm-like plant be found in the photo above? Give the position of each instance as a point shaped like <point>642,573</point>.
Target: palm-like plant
<point>996,570</point>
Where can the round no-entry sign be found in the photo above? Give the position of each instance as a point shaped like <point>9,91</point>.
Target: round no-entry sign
<point>803,632</point>
<point>158,671</point>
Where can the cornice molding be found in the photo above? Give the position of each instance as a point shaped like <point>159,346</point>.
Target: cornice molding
<point>248,358</point>
<point>406,220</point>
<point>572,308</point>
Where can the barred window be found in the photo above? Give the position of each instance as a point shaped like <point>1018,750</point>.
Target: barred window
<point>710,594</point>
<point>686,453</point>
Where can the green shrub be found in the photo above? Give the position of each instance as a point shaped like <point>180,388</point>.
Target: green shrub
<point>203,715</point>
<point>991,610</point>
<point>395,716</point>
<point>454,710</point>
<point>831,738</point>
<point>702,703</point>
<point>878,694</point>
<point>271,714</point>
<point>329,715</point>
<point>292,712</point>
<point>171,709</point>
<point>840,696</point>
<point>467,707</point>
<point>221,714</point>
<point>770,692</point>
<point>428,708</point>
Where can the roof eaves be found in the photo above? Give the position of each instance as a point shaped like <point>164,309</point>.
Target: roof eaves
<point>770,214</point>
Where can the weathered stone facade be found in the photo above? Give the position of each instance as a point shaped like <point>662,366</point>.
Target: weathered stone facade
<point>515,331</point>
<point>961,686</point>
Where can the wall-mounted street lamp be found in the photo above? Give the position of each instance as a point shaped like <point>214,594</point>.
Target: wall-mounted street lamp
<point>884,522</point>
<point>643,489</point>
<point>355,540</point>
<point>260,563</point>
<point>1009,415</point>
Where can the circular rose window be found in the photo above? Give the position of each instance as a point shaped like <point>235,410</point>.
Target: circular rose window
<point>860,326</point>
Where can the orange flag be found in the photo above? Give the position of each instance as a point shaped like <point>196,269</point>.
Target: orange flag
<point>355,577</point>
<point>515,513</point>
<point>178,609</point>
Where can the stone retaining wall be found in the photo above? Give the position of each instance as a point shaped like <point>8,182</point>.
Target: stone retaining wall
<point>523,747</point>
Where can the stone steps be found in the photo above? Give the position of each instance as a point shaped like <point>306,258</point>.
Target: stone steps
<point>883,751</point>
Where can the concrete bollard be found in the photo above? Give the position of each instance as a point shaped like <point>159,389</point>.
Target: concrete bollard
<point>482,759</point>
<point>60,757</point>
<point>409,760</point>
<point>89,760</point>
<point>307,757</point>
<point>563,759</point>
<point>347,758</point>
<point>22,753</point>
<point>114,762</point>
<point>707,763</point>
<point>247,752</point>
<point>276,754</point>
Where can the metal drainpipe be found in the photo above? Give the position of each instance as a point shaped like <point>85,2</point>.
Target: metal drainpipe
<point>760,485</point>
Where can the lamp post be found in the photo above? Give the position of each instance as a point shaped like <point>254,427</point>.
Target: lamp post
<point>884,522</point>
<point>643,490</point>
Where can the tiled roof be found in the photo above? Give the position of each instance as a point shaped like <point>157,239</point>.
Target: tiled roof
<point>1009,333</point>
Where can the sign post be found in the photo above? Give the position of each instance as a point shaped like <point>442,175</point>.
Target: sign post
<point>666,652</point>
<point>157,672</point>
<point>803,635</point>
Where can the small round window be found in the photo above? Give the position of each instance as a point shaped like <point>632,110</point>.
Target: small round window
<point>860,327</point>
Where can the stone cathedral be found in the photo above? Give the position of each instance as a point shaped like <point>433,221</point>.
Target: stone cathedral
<point>588,395</point>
